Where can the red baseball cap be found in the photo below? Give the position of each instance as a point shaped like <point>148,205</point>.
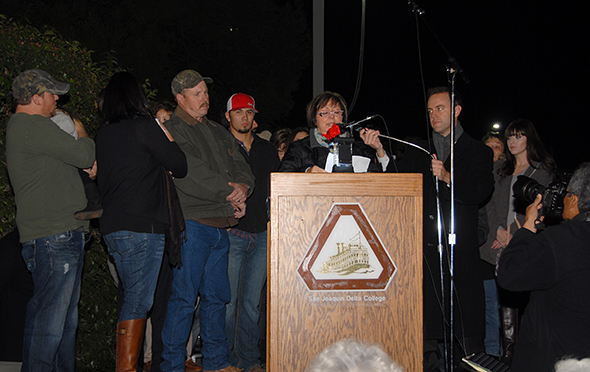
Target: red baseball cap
<point>240,101</point>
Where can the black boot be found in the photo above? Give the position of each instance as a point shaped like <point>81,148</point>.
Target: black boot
<point>94,207</point>
<point>509,326</point>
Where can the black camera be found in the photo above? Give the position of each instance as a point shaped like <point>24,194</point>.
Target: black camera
<point>526,189</point>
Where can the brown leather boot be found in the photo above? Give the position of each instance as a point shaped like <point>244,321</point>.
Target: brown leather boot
<point>509,326</point>
<point>129,343</point>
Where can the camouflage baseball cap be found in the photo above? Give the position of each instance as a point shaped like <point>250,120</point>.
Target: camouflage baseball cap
<point>31,82</point>
<point>187,79</point>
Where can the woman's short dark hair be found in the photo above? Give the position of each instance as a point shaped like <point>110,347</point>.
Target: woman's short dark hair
<point>280,136</point>
<point>123,99</point>
<point>321,100</point>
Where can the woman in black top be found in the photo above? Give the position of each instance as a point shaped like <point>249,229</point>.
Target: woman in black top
<point>310,154</point>
<point>134,156</point>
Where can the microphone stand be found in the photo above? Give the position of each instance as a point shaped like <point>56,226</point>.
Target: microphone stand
<point>452,71</point>
<point>452,236</point>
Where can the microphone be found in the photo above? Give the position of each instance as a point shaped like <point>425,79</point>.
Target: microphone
<point>355,123</point>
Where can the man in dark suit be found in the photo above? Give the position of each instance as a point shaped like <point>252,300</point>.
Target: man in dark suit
<point>473,183</point>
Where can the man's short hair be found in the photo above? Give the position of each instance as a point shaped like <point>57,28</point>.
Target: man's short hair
<point>447,90</point>
<point>580,186</point>
<point>31,82</point>
<point>187,79</point>
<point>352,356</point>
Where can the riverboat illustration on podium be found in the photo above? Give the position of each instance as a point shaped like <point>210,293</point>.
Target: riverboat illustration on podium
<point>350,258</point>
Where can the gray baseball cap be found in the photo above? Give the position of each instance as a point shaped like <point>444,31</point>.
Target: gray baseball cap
<point>187,79</point>
<point>31,82</point>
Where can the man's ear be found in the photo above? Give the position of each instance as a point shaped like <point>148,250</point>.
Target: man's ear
<point>227,116</point>
<point>179,98</point>
<point>574,202</point>
<point>457,110</point>
<point>36,99</point>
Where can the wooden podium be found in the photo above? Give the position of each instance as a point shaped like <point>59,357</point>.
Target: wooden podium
<point>345,261</point>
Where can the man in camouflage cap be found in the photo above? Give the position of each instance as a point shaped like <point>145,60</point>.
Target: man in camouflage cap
<point>42,163</point>
<point>212,196</point>
<point>32,82</point>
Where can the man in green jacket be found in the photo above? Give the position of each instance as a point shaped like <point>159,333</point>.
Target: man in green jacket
<point>42,163</point>
<point>213,197</point>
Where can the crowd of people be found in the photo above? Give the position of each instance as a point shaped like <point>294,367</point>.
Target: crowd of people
<point>183,208</point>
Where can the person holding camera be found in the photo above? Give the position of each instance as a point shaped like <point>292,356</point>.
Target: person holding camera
<point>526,156</point>
<point>555,266</point>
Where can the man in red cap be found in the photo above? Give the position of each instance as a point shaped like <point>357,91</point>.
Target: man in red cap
<point>248,239</point>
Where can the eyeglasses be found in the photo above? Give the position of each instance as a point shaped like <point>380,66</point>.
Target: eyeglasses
<point>325,114</point>
<point>516,136</point>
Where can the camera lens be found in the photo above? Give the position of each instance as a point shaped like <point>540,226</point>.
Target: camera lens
<point>527,189</point>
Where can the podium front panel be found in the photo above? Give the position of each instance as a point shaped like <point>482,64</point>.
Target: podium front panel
<point>345,261</point>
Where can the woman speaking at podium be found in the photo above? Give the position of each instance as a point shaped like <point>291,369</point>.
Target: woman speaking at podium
<point>316,153</point>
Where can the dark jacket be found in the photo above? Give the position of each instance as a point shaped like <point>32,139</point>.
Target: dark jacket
<point>473,185</point>
<point>131,178</point>
<point>214,159</point>
<point>497,207</point>
<point>555,266</point>
<point>307,152</point>
<point>263,160</point>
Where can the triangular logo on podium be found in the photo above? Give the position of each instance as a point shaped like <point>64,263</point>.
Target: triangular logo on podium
<point>346,254</point>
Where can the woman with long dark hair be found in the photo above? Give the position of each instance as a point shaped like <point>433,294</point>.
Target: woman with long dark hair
<point>525,155</point>
<point>134,157</point>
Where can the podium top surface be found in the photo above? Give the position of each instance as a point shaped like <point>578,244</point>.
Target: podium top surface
<point>344,184</point>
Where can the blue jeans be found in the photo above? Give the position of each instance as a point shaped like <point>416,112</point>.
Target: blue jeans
<point>204,271</point>
<point>492,340</point>
<point>138,257</point>
<point>247,274</point>
<point>55,263</point>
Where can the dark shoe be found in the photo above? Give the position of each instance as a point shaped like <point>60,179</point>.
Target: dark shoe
<point>190,365</point>
<point>509,326</point>
<point>129,344</point>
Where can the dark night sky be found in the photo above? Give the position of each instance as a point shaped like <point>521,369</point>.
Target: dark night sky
<point>523,60</point>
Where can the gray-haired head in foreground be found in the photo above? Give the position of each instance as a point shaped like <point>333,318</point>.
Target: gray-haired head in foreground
<point>580,186</point>
<point>349,355</point>
<point>573,365</point>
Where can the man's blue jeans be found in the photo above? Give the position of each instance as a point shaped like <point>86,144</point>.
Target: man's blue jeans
<point>204,271</point>
<point>247,274</point>
<point>56,263</point>
<point>138,257</point>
